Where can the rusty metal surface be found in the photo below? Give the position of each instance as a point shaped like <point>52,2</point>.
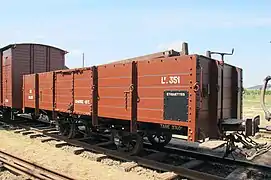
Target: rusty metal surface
<point>46,90</point>
<point>29,91</point>
<point>26,59</point>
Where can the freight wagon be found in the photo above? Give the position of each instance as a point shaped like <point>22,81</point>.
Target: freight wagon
<point>137,98</point>
<point>21,59</point>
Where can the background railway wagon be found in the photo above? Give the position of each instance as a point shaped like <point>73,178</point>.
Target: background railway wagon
<point>66,91</point>
<point>25,58</point>
<point>73,91</point>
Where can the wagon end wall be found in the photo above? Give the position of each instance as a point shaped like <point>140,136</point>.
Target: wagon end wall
<point>212,98</point>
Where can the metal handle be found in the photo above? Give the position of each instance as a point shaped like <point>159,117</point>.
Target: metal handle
<point>126,99</point>
<point>201,79</point>
<point>131,89</point>
<point>40,95</point>
<point>267,113</point>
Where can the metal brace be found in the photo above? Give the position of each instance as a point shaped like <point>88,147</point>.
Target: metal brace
<point>248,144</point>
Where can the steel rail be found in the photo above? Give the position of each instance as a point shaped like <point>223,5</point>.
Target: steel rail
<point>211,157</point>
<point>181,171</point>
<point>23,167</point>
<point>184,172</point>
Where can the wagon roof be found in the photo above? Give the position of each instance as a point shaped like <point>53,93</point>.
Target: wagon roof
<point>12,45</point>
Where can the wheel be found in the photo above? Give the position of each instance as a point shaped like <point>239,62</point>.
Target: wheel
<point>67,128</point>
<point>130,144</point>
<point>160,139</point>
<point>83,129</point>
<point>33,116</point>
<point>72,128</point>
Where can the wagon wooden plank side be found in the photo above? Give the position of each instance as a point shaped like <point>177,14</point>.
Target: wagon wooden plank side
<point>63,83</point>
<point>29,91</point>
<point>114,91</point>
<point>7,78</point>
<point>1,78</point>
<point>166,92</point>
<point>83,84</point>
<point>46,90</point>
<point>153,98</point>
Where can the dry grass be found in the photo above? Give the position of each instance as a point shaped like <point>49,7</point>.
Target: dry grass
<point>252,107</point>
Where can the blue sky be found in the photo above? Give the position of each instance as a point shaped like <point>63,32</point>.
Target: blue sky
<point>112,30</point>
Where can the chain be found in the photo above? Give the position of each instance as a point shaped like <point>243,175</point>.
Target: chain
<point>248,144</point>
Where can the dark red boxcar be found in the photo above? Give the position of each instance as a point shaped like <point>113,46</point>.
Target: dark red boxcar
<point>21,59</point>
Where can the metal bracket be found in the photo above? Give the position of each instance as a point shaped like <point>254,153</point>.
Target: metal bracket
<point>131,89</point>
<point>248,144</point>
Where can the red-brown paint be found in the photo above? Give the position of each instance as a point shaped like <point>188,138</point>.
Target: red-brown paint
<point>22,59</point>
<point>46,85</point>
<point>29,91</point>
<point>134,91</point>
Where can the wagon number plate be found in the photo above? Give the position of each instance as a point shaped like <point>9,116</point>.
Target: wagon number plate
<point>171,80</point>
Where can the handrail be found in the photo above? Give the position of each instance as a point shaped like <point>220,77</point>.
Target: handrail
<point>263,90</point>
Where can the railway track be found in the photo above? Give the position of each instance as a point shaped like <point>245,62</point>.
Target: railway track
<point>170,161</point>
<point>23,167</point>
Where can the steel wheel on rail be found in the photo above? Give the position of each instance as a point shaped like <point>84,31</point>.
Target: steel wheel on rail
<point>131,144</point>
<point>159,139</point>
<point>72,129</point>
<point>84,129</point>
<point>67,128</point>
<point>63,129</point>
